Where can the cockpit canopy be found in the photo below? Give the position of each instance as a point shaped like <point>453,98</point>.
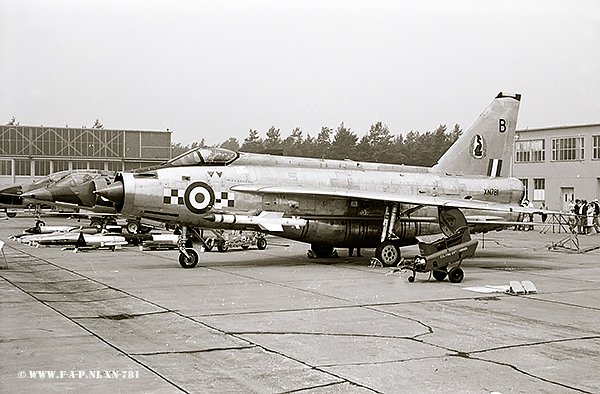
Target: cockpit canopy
<point>67,177</point>
<point>203,157</point>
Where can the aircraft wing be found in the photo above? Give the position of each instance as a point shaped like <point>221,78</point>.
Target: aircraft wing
<point>444,201</point>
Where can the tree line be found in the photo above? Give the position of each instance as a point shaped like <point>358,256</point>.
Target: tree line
<point>378,145</point>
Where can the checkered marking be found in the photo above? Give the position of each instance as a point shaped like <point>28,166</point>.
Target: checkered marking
<point>225,200</point>
<point>173,196</point>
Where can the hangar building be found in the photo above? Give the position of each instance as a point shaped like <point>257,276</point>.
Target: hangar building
<point>28,152</point>
<point>558,164</point>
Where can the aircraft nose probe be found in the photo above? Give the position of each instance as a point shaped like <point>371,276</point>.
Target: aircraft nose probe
<point>112,193</point>
<point>39,194</point>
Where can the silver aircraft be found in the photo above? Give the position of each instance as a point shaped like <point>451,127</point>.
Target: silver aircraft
<point>333,203</point>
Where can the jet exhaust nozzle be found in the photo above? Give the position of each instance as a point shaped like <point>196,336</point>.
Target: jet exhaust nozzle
<point>113,193</point>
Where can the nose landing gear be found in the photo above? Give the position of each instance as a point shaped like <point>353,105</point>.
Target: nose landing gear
<point>188,257</point>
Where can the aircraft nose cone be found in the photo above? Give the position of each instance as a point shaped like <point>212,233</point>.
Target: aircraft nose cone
<point>112,193</point>
<point>41,194</point>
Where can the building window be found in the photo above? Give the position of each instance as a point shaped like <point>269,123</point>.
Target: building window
<point>526,186</point>
<point>568,149</point>
<point>14,141</point>
<point>80,165</point>
<point>530,151</point>
<point>539,190</point>
<point>60,165</point>
<point>596,147</point>
<point>5,167</point>
<point>42,167</point>
<point>96,165</point>
<point>136,165</point>
<point>115,166</point>
<point>22,167</point>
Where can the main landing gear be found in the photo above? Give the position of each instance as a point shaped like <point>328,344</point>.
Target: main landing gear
<point>388,250</point>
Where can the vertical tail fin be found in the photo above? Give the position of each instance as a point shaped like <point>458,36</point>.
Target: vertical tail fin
<point>486,147</point>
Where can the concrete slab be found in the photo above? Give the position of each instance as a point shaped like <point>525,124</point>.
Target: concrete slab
<point>77,364</point>
<point>159,333</point>
<point>333,321</point>
<point>449,374</point>
<point>346,349</point>
<point>240,371</point>
<point>558,361</point>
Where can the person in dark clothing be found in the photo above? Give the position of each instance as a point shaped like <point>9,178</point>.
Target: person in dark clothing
<point>351,252</point>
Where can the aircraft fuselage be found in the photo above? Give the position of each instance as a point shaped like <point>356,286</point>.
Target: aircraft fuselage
<point>193,195</point>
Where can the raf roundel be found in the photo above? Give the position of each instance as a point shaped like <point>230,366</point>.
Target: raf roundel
<point>199,197</point>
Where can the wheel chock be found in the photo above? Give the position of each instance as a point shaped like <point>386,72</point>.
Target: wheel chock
<point>374,262</point>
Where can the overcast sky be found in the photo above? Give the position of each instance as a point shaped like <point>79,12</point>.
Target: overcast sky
<point>216,69</point>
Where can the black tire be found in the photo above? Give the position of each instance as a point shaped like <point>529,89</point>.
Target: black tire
<point>261,244</point>
<point>245,247</point>
<point>322,250</point>
<point>11,214</point>
<point>96,223</point>
<point>40,223</point>
<point>456,275</point>
<point>440,274</point>
<point>411,279</point>
<point>190,262</point>
<point>132,227</point>
<point>388,253</point>
<point>222,246</point>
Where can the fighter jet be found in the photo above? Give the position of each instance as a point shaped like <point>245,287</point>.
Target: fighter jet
<point>75,188</point>
<point>70,190</point>
<point>11,196</point>
<point>332,203</point>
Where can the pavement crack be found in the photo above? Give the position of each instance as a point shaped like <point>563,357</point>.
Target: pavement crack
<point>321,386</point>
<point>116,316</point>
<point>324,334</point>
<point>531,375</point>
<point>82,301</point>
<point>359,364</point>
<point>66,292</point>
<point>585,338</point>
<point>195,351</point>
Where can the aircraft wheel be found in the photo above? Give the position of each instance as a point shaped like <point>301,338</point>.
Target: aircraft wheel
<point>222,246</point>
<point>411,279</point>
<point>456,275</point>
<point>261,244</point>
<point>11,214</point>
<point>388,253</point>
<point>96,223</point>
<point>190,262</point>
<point>40,223</point>
<point>322,250</point>
<point>439,274</point>
<point>245,247</point>
<point>132,227</point>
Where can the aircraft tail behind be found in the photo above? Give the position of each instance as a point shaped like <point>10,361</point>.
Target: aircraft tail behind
<point>485,148</point>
